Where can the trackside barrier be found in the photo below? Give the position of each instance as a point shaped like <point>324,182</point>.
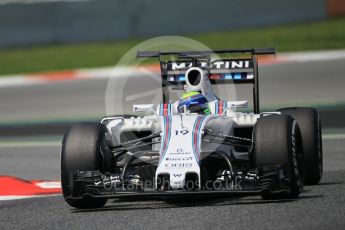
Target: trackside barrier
<point>27,24</point>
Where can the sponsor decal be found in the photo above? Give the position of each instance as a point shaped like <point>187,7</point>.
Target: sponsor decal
<point>294,159</point>
<point>179,165</point>
<point>229,64</point>
<point>179,159</point>
<point>179,152</point>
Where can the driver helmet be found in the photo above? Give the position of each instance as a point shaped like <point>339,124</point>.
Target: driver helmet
<point>195,102</point>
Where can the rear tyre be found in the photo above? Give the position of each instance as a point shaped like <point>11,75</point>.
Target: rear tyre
<point>81,151</point>
<point>277,142</point>
<point>310,125</point>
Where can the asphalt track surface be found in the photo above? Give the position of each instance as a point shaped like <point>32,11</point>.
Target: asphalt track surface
<point>319,207</point>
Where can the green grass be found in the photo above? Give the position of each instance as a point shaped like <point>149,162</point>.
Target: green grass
<point>328,34</point>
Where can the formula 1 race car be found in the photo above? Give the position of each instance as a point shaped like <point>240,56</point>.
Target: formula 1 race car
<point>196,146</point>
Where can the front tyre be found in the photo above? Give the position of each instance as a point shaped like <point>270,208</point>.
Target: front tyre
<point>81,151</point>
<point>310,125</point>
<point>277,142</point>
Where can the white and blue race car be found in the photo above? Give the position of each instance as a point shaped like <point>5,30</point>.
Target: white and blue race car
<point>184,149</point>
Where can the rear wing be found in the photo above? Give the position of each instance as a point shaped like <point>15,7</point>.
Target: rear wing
<point>257,51</point>
<point>220,71</point>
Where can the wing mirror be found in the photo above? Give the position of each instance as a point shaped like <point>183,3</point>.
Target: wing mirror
<point>238,104</point>
<point>143,108</point>
<point>235,104</point>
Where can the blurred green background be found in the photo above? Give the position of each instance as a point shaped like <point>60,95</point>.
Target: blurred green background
<point>319,35</point>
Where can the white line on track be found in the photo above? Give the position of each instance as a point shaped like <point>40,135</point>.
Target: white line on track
<point>313,56</point>
<point>3,198</point>
<point>333,136</point>
<point>31,144</point>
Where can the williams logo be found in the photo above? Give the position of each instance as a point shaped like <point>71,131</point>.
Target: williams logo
<point>177,175</point>
<point>179,152</point>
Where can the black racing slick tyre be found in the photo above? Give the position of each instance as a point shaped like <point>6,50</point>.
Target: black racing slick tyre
<point>310,125</point>
<point>81,151</point>
<point>277,142</point>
